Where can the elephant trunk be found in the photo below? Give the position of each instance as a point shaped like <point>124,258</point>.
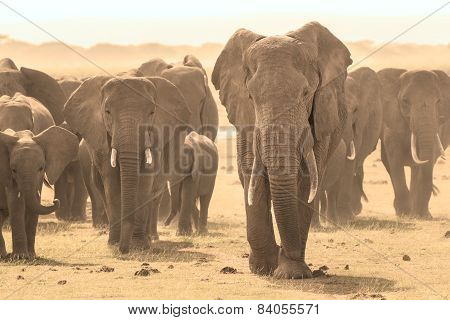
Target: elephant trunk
<point>32,197</point>
<point>129,157</point>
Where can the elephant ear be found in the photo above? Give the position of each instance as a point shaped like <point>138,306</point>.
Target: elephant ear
<point>44,88</point>
<point>7,140</point>
<point>7,63</point>
<point>172,113</point>
<point>60,148</point>
<point>83,113</point>
<point>390,88</point>
<point>443,81</point>
<point>332,59</point>
<point>229,78</point>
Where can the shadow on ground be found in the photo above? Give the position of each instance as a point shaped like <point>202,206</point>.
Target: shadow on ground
<point>41,261</point>
<point>338,285</point>
<point>167,251</point>
<point>367,223</point>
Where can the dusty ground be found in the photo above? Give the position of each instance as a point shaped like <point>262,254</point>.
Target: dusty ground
<point>373,248</point>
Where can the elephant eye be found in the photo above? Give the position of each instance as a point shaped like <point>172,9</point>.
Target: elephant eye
<point>14,170</point>
<point>305,93</point>
<point>107,111</point>
<point>41,169</point>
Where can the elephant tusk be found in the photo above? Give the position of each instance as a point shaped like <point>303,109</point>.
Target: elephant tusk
<point>18,195</point>
<point>148,156</point>
<point>414,151</point>
<point>313,175</point>
<point>352,151</point>
<point>441,148</point>
<point>113,157</point>
<point>251,188</point>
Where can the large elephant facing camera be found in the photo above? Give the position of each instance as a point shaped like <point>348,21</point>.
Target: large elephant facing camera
<point>416,107</point>
<point>128,124</point>
<point>285,96</point>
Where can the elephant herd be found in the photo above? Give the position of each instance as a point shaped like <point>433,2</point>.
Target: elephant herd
<point>145,137</point>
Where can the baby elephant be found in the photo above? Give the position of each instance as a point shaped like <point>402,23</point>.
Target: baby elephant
<point>24,161</point>
<point>199,164</point>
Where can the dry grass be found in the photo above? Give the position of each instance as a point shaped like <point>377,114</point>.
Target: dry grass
<point>189,267</point>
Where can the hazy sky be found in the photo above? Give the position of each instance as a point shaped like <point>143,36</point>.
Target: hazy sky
<point>86,22</point>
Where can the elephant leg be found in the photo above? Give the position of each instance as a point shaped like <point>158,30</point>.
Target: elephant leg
<point>111,183</point>
<point>390,159</point>
<point>323,201</point>
<point>61,189</point>
<point>31,221</point>
<point>203,217</point>
<point>187,203</point>
<point>159,187</point>
<point>344,195</point>
<point>264,252</point>
<point>79,197</point>
<point>332,199</point>
<point>421,189</point>
<point>96,192</point>
<point>358,191</point>
<point>2,241</point>
<point>315,221</point>
<point>16,209</point>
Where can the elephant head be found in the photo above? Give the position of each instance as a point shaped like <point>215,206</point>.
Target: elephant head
<point>32,83</point>
<point>418,103</point>
<point>129,121</point>
<point>68,85</point>
<point>25,158</point>
<point>191,79</point>
<point>290,91</point>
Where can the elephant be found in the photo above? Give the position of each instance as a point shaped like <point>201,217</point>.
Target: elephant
<point>199,164</point>
<point>30,146</point>
<point>191,79</point>
<point>416,106</point>
<point>70,188</point>
<point>361,135</point>
<point>130,125</point>
<point>285,96</point>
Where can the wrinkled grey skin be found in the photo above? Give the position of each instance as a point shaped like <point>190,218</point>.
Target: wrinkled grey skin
<point>285,96</point>
<point>118,114</point>
<point>414,102</point>
<point>190,78</point>
<point>200,162</point>
<point>70,188</point>
<point>363,128</point>
<point>30,145</point>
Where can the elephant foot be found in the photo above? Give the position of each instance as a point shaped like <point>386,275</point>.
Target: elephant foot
<point>263,264</point>
<point>112,241</point>
<point>78,218</point>
<point>140,244</point>
<point>19,256</point>
<point>402,207</point>
<point>202,231</point>
<point>3,253</point>
<point>421,215</point>
<point>357,208</point>
<point>184,231</point>
<point>291,269</point>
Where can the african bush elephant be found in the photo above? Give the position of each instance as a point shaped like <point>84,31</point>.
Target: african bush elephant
<point>128,124</point>
<point>200,162</point>
<point>361,134</point>
<point>70,188</point>
<point>416,104</point>
<point>191,79</point>
<point>285,96</point>
<point>30,145</point>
